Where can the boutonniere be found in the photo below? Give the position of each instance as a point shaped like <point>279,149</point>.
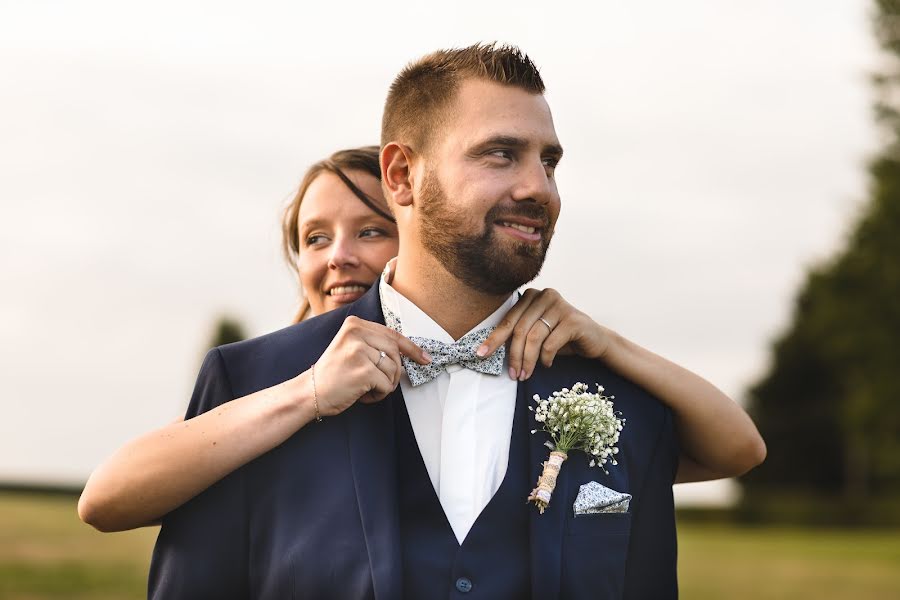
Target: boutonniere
<point>576,420</point>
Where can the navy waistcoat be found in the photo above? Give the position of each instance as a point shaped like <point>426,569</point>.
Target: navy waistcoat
<point>493,560</point>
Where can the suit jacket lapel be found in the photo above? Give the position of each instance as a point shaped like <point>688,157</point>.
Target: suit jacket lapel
<point>546,529</point>
<point>371,440</point>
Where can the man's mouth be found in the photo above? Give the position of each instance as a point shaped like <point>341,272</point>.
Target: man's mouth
<point>529,232</point>
<point>522,228</point>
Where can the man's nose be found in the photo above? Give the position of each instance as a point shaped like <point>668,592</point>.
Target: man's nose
<point>343,254</point>
<point>535,184</point>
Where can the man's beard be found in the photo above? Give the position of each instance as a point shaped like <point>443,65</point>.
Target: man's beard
<point>480,260</point>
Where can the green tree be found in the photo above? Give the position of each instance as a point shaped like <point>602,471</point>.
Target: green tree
<point>227,330</point>
<point>829,407</point>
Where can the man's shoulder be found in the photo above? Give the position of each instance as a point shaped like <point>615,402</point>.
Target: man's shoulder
<point>645,413</point>
<point>306,334</point>
<point>263,361</point>
<point>309,337</point>
<point>649,432</point>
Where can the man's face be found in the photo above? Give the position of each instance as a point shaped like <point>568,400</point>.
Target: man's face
<point>488,201</point>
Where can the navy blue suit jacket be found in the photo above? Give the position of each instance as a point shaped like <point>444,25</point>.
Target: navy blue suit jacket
<point>317,517</point>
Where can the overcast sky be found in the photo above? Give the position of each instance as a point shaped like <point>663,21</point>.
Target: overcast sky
<point>714,151</point>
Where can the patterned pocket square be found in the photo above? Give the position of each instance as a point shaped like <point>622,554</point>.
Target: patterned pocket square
<point>595,498</point>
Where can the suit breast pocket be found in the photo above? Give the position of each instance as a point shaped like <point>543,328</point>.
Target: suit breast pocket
<point>595,550</point>
<point>599,524</point>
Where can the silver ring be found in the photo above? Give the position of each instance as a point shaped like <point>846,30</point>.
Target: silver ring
<point>546,322</point>
<point>381,356</point>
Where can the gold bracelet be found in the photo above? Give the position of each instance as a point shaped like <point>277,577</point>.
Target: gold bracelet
<point>315,394</point>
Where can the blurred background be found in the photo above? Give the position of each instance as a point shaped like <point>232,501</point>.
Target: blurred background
<point>731,200</point>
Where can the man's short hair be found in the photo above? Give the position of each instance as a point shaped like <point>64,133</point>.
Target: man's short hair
<point>417,102</point>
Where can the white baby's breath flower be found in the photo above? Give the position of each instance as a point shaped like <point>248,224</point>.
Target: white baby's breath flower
<point>577,419</point>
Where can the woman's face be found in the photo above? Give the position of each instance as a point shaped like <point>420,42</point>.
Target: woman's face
<point>343,244</point>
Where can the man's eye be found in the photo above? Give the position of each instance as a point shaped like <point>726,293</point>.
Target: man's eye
<point>504,154</point>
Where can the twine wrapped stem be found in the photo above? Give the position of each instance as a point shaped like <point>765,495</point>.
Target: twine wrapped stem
<point>546,483</point>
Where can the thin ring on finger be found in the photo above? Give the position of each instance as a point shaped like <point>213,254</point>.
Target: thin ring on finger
<point>390,367</point>
<point>546,322</point>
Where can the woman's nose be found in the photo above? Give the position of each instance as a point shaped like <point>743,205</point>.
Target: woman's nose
<point>343,254</point>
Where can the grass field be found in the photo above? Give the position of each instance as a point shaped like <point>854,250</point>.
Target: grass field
<point>726,561</point>
<point>46,553</point>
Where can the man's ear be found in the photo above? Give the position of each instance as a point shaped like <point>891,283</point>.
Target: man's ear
<point>396,160</point>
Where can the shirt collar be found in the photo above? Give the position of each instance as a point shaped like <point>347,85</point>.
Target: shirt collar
<point>416,322</point>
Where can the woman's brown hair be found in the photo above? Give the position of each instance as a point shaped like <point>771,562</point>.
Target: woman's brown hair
<point>364,159</point>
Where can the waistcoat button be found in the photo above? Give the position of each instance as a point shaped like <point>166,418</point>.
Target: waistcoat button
<point>464,584</point>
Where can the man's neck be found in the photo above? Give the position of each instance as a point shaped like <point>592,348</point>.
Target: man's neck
<point>450,303</point>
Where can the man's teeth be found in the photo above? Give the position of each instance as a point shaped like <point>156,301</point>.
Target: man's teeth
<point>346,289</point>
<point>522,228</point>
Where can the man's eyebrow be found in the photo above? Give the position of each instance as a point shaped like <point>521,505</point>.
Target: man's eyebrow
<point>554,150</point>
<point>502,141</point>
<point>511,141</point>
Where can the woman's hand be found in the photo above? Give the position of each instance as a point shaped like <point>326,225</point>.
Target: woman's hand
<point>717,438</point>
<point>542,324</point>
<point>361,363</point>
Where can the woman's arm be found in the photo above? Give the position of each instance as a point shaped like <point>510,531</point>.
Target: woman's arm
<point>161,470</point>
<point>715,434</point>
<point>718,439</point>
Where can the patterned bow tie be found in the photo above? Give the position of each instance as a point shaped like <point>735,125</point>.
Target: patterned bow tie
<point>461,352</point>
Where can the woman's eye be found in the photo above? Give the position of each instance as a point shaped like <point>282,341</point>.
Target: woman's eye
<point>371,232</point>
<point>316,238</point>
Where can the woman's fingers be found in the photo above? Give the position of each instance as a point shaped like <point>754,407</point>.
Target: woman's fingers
<point>393,345</point>
<point>410,350</point>
<point>504,329</point>
<point>382,384</point>
<point>545,327</point>
<point>553,344</point>
<point>385,338</point>
<point>353,368</point>
<point>387,364</point>
<point>529,333</point>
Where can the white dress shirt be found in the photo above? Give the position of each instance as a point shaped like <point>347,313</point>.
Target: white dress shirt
<point>462,420</point>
